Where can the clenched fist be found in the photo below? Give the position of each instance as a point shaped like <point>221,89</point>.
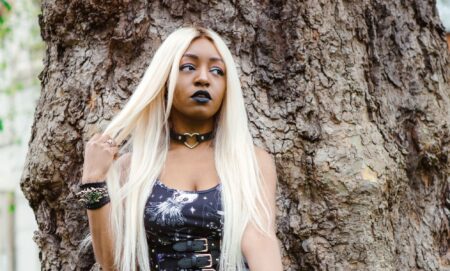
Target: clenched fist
<point>99,154</point>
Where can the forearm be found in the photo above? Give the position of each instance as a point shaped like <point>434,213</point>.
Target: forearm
<point>102,239</point>
<point>264,256</point>
<point>100,152</point>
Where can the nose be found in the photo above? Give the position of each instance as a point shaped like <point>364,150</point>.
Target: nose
<point>202,78</point>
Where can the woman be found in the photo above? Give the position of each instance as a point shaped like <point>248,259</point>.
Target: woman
<point>193,193</point>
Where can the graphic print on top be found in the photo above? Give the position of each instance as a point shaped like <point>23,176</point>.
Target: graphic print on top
<point>168,212</point>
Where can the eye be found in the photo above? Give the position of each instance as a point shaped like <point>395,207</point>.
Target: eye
<point>187,67</point>
<point>218,71</point>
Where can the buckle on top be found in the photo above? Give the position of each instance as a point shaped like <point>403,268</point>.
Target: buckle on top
<point>210,259</point>
<point>196,260</point>
<point>206,244</point>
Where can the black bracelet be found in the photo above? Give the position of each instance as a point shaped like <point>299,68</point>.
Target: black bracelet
<point>93,195</point>
<point>93,185</point>
<point>92,206</point>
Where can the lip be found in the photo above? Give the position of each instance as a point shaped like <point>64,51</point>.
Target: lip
<point>201,100</point>
<point>198,95</point>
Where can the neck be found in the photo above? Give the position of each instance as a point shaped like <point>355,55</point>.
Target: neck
<point>180,125</point>
<point>183,125</point>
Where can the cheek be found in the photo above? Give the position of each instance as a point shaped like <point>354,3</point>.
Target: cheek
<point>220,99</point>
<point>180,87</point>
<point>177,101</point>
<point>178,93</point>
<point>223,90</point>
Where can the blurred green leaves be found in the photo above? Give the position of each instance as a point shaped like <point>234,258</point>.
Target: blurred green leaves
<point>5,5</point>
<point>4,28</point>
<point>14,88</point>
<point>21,53</point>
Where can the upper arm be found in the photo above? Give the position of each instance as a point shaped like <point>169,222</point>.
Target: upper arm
<point>252,238</point>
<point>269,182</point>
<point>269,177</point>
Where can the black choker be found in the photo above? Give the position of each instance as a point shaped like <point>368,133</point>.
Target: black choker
<point>184,137</point>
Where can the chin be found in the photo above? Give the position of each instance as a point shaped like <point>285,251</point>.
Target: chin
<point>201,116</point>
<point>201,113</point>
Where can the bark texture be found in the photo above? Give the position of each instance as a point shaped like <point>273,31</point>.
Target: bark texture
<point>351,97</point>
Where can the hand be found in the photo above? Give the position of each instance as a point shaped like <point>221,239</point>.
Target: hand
<point>99,154</point>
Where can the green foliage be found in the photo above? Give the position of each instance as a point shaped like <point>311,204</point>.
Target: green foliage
<point>6,4</point>
<point>4,28</point>
<point>11,208</point>
<point>14,88</point>
<point>14,80</point>
<point>11,205</point>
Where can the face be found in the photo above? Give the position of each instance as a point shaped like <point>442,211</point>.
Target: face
<point>201,83</point>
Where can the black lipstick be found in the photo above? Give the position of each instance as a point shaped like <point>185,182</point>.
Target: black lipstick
<point>201,96</point>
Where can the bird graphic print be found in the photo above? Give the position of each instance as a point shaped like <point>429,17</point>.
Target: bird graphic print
<point>173,215</point>
<point>169,212</point>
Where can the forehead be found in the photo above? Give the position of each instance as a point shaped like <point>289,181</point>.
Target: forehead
<point>203,48</point>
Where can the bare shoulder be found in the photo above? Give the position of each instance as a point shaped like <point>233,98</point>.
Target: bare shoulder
<point>267,166</point>
<point>263,155</point>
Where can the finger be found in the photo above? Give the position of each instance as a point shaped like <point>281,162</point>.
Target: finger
<point>109,148</point>
<point>107,138</point>
<point>105,145</point>
<point>113,143</point>
<point>102,138</point>
<point>95,137</point>
<point>99,139</point>
<point>114,150</point>
<point>109,142</point>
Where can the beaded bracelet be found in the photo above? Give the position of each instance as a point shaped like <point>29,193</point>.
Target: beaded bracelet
<point>93,195</point>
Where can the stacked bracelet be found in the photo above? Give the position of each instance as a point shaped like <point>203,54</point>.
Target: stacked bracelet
<point>93,195</point>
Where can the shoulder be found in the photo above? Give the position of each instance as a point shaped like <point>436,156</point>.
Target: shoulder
<point>267,166</point>
<point>263,156</point>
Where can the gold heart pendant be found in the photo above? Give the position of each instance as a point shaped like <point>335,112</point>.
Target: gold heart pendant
<point>191,135</point>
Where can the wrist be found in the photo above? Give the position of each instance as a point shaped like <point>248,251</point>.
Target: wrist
<point>93,195</point>
<point>93,178</point>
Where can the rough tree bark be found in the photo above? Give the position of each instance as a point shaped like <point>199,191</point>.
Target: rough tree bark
<point>351,97</point>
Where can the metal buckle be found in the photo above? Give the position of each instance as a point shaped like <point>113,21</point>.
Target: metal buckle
<point>206,244</point>
<point>210,259</point>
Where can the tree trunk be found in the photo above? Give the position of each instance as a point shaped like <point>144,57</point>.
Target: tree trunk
<point>351,97</point>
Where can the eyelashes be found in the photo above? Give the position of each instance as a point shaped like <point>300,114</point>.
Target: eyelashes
<point>190,67</point>
<point>219,71</point>
<point>183,67</point>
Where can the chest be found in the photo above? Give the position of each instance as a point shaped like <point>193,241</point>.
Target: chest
<point>190,171</point>
<point>173,215</point>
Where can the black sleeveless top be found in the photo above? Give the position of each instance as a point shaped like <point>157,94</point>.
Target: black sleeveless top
<point>173,215</point>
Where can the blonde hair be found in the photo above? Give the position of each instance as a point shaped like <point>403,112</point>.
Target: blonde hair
<point>145,119</point>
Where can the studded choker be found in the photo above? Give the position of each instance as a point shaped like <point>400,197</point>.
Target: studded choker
<point>196,137</point>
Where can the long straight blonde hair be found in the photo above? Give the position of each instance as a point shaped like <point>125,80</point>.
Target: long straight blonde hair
<point>145,120</point>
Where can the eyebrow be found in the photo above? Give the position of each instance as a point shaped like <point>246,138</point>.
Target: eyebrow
<point>211,58</point>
